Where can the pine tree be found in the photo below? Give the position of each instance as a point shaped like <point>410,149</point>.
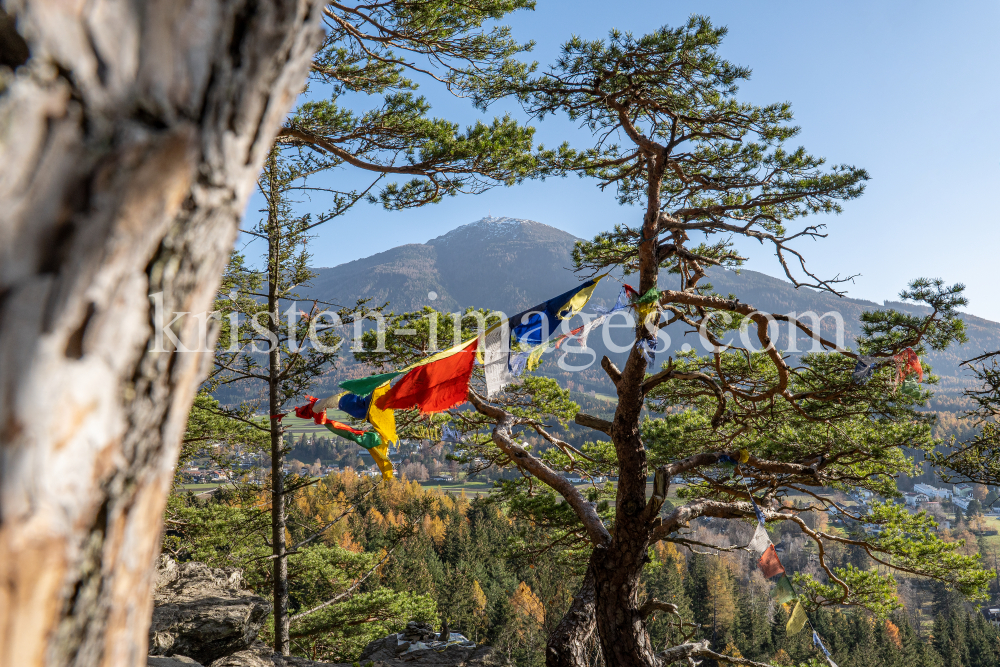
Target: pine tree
<point>664,580</point>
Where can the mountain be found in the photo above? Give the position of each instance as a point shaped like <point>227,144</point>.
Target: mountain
<point>510,264</point>
<point>502,263</point>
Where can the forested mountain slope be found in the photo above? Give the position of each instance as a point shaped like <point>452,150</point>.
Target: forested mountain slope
<point>510,264</point>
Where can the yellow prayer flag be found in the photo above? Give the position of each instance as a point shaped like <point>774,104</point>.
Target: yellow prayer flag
<point>384,421</point>
<point>381,456</point>
<point>578,300</point>
<point>535,357</point>
<point>797,620</point>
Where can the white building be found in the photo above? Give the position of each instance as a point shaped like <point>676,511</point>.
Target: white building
<point>932,491</point>
<point>961,502</point>
<point>914,499</point>
<point>963,490</point>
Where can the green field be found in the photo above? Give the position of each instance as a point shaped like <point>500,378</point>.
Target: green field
<point>297,427</point>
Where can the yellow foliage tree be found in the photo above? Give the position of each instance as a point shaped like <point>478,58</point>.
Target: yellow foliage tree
<point>782,658</point>
<point>478,599</point>
<point>434,527</point>
<point>721,601</point>
<point>892,630</point>
<point>347,542</point>
<point>527,604</point>
<point>731,650</point>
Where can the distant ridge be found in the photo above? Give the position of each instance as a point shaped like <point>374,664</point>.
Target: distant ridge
<point>509,264</point>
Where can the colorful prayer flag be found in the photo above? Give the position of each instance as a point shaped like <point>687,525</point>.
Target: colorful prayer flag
<point>535,357</point>
<point>907,362</point>
<point>863,369</point>
<point>770,564</point>
<point>797,620</point>
<point>370,440</point>
<point>496,357</point>
<point>436,386</point>
<point>646,304</point>
<point>383,421</point>
<point>620,304</point>
<point>367,439</point>
<point>354,405</point>
<point>818,643</point>
<point>783,592</point>
<point>536,325</point>
<point>324,404</point>
<point>760,541</point>
<point>381,456</point>
<point>443,354</point>
<point>367,385</point>
<point>648,350</point>
<point>518,362</point>
<point>756,510</point>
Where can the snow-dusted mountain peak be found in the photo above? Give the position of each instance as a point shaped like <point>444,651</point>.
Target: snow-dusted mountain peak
<point>492,228</point>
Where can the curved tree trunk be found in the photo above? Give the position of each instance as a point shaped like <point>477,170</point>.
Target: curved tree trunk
<point>622,629</point>
<point>131,137</point>
<point>567,645</point>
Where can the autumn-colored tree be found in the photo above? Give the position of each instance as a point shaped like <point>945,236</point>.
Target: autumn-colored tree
<point>892,630</point>
<point>527,604</point>
<point>721,597</point>
<point>782,658</point>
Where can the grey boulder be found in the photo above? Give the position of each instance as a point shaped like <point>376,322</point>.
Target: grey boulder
<point>203,612</point>
<point>172,661</point>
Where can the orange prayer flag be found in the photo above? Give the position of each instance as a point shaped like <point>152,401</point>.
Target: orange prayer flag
<point>769,563</point>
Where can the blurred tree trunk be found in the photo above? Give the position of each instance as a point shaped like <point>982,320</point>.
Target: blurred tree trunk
<point>131,135</point>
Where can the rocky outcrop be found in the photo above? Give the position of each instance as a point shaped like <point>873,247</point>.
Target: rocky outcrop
<point>203,613</point>
<point>172,661</point>
<point>419,646</point>
<point>203,616</point>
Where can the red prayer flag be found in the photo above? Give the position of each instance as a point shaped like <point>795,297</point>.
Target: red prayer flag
<point>306,411</point>
<point>907,361</point>
<point>434,387</point>
<point>769,563</point>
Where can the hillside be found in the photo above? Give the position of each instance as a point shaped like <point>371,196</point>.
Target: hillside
<point>509,264</point>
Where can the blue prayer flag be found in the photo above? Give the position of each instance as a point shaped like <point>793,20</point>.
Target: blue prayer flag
<point>756,510</point>
<point>536,325</point>
<point>354,405</point>
<point>863,369</point>
<point>819,644</point>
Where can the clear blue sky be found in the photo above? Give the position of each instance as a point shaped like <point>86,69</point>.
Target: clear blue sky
<point>908,90</point>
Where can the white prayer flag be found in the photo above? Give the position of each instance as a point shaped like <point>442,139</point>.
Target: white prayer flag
<point>496,350</point>
<point>760,541</point>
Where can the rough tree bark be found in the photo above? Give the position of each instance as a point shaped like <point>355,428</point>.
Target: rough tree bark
<point>620,622</point>
<point>567,645</point>
<point>131,135</point>
<point>279,570</point>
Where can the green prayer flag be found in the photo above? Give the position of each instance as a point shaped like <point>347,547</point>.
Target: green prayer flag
<point>797,620</point>
<point>783,591</point>
<point>367,439</point>
<point>651,296</point>
<point>367,385</point>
